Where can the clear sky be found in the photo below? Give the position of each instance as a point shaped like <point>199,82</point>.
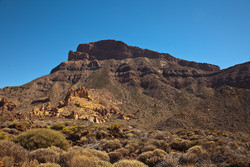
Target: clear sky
<point>36,35</point>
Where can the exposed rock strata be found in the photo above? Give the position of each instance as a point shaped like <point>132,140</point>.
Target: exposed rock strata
<point>78,104</point>
<point>111,49</point>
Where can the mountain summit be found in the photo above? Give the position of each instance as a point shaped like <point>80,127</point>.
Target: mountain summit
<point>154,90</point>
<point>111,49</point>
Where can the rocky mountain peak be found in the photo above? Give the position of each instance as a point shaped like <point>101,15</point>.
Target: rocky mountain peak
<point>112,49</point>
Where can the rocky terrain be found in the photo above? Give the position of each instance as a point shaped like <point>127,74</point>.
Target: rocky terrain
<point>148,85</point>
<point>117,105</point>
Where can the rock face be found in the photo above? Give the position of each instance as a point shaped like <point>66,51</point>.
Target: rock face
<point>78,104</point>
<point>111,49</point>
<point>41,100</point>
<point>6,105</point>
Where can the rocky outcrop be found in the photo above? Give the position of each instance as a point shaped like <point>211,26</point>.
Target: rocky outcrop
<point>41,100</point>
<point>201,66</point>
<point>6,105</point>
<point>111,49</point>
<point>78,104</point>
<point>181,73</point>
<point>236,76</point>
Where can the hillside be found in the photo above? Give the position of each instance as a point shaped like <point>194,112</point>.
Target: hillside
<point>158,90</point>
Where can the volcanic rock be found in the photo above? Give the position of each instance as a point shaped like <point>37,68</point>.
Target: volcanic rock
<point>6,105</point>
<point>159,90</point>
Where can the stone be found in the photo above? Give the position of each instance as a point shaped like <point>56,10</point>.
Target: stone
<point>6,105</point>
<point>41,100</point>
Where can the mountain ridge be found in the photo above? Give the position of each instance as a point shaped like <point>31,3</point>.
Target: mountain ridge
<point>160,91</point>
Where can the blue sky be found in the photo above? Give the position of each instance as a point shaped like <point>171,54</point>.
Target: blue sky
<point>36,35</point>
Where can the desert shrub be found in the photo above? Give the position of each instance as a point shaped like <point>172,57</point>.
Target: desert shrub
<point>11,131</point>
<point>70,130</point>
<point>123,151</point>
<point>12,151</point>
<point>103,164</point>
<point>130,135</point>
<point>21,126</point>
<point>83,161</point>
<point>42,138</point>
<point>170,160</point>
<point>102,155</point>
<point>151,158</point>
<point>198,150</point>
<point>181,144</point>
<point>118,154</point>
<point>111,145</point>
<point>101,134</point>
<point>132,147</point>
<point>208,145</point>
<point>4,136</point>
<point>48,165</point>
<point>8,161</point>
<point>149,147</point>
<point>161,144</point>
<point>58,126</point>
<point>115,156</point>
<point>32,163</point>
<point>45,155</point>
<point>129,163</point>
<point>96,127</point>
<point>69,157</point>
<point>194,154</point>
<point>159,135</point>
<point>113,126</point>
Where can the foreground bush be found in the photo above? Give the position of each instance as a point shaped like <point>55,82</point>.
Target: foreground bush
<point>46,155</point>
<point>151,158</point>
<point>129,163</point>
<point>12,153</point>
<point>81,157</point>
<point>42,138</point>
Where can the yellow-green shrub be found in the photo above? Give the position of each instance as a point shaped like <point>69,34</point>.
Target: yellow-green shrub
<point>70,130</point>
<point>151,158</point>
<point>129,163</point>
<point>58,126</point>
<point>42,138</point>
<point>4,136</point>
<point>70,157</point>
<point>181,144</point>
<point>113,126</point>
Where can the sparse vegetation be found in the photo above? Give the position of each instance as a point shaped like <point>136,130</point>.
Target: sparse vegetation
<point>102,145</point>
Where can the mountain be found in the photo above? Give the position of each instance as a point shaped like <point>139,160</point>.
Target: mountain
<point>156,90</point>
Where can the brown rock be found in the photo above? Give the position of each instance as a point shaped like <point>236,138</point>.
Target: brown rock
<point>41,100</point>
<point>78,55</point>
<point>111,49</point>
<point>36,111</point>
<point>93,65</point>
<point>6,105</point>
